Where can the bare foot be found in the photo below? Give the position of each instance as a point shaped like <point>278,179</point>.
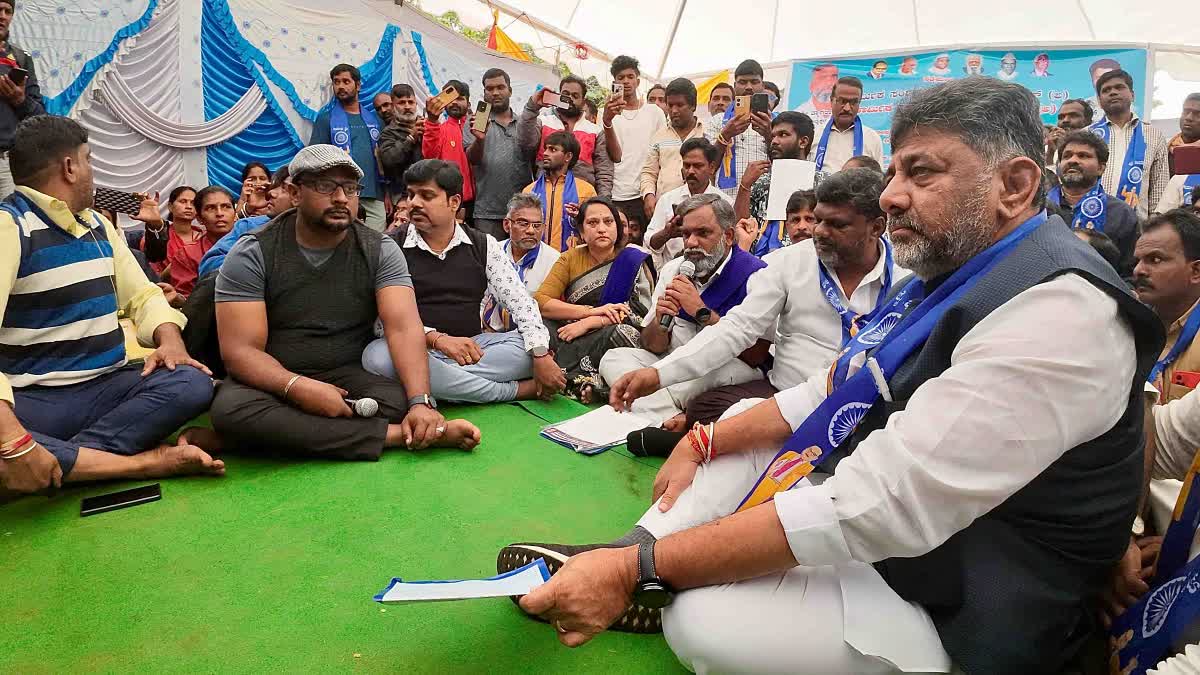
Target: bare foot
<point>459,434</point>
<point>202,437</point>
<point>677,423</point>
<point>179,460</point>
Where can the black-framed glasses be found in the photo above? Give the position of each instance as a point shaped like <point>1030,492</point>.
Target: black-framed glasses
<point>328,186</point>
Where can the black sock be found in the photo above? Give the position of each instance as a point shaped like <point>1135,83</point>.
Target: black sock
<point>638,535</point>
<point>653,442</point>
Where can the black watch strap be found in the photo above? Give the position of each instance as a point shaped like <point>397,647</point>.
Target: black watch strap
<point>646,571</point>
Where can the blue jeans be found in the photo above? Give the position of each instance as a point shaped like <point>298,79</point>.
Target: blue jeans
<point>120,412</point>
<point>492,380</point>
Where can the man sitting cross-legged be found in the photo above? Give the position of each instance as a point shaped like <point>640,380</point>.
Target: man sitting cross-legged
<point>71,408</point>
<point>452,269</point>
<point>296,305</point>
<point>810,299</point>
<point>985,460</point>
<point>531,257</point>
<point>689,305</point>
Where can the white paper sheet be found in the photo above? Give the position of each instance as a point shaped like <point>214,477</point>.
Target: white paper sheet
<point>593,431</point>
<point>517,582</point>
<point>787,176</point>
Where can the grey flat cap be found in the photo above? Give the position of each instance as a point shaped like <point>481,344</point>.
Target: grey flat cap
<point>318,158</point>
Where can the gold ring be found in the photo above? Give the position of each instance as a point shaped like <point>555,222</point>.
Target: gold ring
<point>558,626</point>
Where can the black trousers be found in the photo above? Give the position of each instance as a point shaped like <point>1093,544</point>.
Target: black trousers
<point>257,422</point>
<point>709,406</point>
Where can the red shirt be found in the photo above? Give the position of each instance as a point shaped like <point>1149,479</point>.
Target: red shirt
<point>445,142</point>
<point>183,256</point>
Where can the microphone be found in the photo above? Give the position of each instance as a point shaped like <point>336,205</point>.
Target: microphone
<point>687,269</point>
<point>363,407</point>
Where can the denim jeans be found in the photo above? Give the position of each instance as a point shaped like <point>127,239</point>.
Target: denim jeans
<point>492,380</point>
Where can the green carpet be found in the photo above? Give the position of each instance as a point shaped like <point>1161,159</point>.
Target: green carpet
<point>272,568</point>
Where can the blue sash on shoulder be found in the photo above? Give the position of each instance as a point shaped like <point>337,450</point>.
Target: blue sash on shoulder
<point>894,336</point>
<point>1144,633</point>
<point>852,323</point>
<point>1186,335</point>
<point>771,237</point>
<point>729,288</point>
<point>1129,187</point>
<point>824,142</point>
<point>339,124</point>
<point>1091,211</point>
<point>727,170</point>
<point>491,306</point>
<point>570,195</point>
<point>622,276</point>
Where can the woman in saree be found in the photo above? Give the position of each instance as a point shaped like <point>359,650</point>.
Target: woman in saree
<point>594,298</point>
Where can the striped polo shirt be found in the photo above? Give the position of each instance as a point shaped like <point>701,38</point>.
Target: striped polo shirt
<point>60,326</point>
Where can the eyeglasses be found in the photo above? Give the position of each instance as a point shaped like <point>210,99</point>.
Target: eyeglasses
<point>328,186</point>
<point>523,224</point>
<point>839,101</point>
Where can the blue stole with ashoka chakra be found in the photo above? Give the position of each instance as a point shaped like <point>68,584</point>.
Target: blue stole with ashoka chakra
<point>824,142</point>
<point>1133,166</point>
<point>852,323</point>
<point>1090,212</point>
<point>339,124</point>
<point>893,335</point>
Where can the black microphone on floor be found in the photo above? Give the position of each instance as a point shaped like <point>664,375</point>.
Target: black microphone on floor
<point>687,269</point>
<point>363,407</point>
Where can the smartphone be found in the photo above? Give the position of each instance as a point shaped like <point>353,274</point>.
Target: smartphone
<point>446,97</point>
<point>741,106</point>
<point>618,89</point>
<point>18,75</point>
<point>483,115</point>
<point>120,500</point>
<point>121,202</point>
<point>563,102</point>
<point>760,103</point>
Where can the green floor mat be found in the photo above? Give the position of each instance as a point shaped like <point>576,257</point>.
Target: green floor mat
<point>272,568</point>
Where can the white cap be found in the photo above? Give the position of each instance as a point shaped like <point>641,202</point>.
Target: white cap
<point>318,158</point>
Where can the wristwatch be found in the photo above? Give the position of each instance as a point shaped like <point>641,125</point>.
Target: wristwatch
<point>703,315</point>
<point>538,352</point>
<point>650,591</point>
<point>423,399</point>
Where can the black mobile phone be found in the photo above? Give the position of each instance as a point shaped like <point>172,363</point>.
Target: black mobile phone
<point>117,200</point>
<point>759,103</point>
<point>120,500</point>
<point>18,75</point>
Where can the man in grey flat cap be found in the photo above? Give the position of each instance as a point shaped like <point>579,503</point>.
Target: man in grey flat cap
<point>296,305</point>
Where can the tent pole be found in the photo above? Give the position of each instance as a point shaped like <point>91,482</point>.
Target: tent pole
<point>774,29</point>
<point>662,64</point>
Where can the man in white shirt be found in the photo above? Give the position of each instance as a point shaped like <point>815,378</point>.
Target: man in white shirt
<point>532,258</point>
<point>845,135</point>
<point>663,235</point>
<point>1137,175</point>
<point>683,307</point>
<point>981,497</point>
<point>629,124</point>
<point>807,301</point>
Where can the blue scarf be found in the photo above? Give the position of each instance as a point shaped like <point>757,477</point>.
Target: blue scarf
<point>1130,184</point>
<point>771,237</point>
<point>727,169</point>
<point>729,288</point>
<point>1091,211</point>
<point>570,195</point>
<point>1186,335</point>
<point>522,267</point>
<point>824,143</point>
<point>893,336</point>
<point>851,323</point>
<point>1146,630</point>
<point>339,124</point>
<point>1189,185</point>
<point>622,276</point>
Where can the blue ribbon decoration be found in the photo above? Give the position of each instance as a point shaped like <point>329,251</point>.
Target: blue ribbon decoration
<point>426,71</point>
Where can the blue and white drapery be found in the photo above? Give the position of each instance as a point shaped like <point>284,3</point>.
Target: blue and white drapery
<point>182,92</point>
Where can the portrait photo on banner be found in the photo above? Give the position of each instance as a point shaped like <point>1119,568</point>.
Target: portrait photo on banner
<point>1054,75</point>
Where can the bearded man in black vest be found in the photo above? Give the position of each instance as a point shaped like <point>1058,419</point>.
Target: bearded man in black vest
<point>977,448</point>
<point>296,305</point>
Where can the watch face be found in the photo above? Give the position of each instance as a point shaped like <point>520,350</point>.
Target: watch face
<point>652,594</point>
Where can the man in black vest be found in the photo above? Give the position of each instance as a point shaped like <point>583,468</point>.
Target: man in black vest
<point>974,507</point>
<point>453,268</point>
<point>296,305</point>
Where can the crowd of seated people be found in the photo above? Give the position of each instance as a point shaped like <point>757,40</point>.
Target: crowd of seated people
<point>940,361</point>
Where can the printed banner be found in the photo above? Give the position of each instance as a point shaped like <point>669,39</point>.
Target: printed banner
<point>1054,76</point>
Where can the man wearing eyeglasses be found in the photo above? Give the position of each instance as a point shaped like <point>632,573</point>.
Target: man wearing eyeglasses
<point>531,257</point>
<point>296,306</point>
<point>845,135</point>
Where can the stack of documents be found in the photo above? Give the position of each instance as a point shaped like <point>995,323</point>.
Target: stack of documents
<point>595,431</point>
<point>517,582</point>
